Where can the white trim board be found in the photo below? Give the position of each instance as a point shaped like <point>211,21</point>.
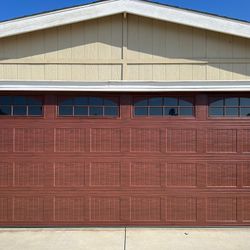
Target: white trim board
<point>112,7</point>
<point>126,86</point>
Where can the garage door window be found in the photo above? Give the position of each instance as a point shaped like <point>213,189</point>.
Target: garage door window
<point>229,106</point>
<point>163,106</point>
<point>21,106</point>
<point>88,106</point>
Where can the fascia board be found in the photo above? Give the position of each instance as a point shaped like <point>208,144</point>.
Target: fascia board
<point>136,7</point>
<point>126,86</point>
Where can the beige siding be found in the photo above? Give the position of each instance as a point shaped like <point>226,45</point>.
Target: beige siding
<point>80,51</point>
<point>136,48</point>
<point>206,55</point>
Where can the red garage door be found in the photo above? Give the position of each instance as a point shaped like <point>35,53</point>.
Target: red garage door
<point>124,159</point>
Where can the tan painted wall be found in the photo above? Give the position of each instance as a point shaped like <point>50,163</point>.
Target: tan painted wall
<point>114,48</point>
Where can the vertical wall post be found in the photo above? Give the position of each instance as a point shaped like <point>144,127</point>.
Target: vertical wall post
<point>124,46</point>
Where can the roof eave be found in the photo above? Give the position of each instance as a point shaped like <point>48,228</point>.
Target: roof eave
<point>125,86</point>
<point>136,7</point>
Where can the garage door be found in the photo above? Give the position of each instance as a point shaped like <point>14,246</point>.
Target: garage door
<point>124,159</point>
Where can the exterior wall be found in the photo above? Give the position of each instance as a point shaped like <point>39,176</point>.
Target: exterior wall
<point>118,48</point>
<point>184,53</point>
<point>71,52</point>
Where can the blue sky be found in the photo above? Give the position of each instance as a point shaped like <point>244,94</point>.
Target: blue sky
<point>239,9</point>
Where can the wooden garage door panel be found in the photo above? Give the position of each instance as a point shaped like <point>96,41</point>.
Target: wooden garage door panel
<point>83,208</point>
<point>72,209</point>
<point>145,140</point>
<point>222,140</point>
<point>181,140</point>
<point>105,139</point>
<point>145,173</point>
<point>116,173</point>
<point>6,173</point>
<point>221,174</point>
<point>70,140</point>
<point>105,209</point>
<point>182,174</point>
<point>105,173</point>
<point>221,209</point>
<point>69,174</point>
<point>4,209</point>
<point>181,209</point>
<point>29,140</point>
<point>246,209</point>
<point>6,140</point>
<point>245,167</point>
<point>124,170</point>
<point>29,174</point>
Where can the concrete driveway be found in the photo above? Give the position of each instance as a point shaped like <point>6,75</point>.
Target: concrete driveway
<point>126,239</point>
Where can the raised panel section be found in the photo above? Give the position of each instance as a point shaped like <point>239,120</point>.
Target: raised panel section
<point>245,174</point>
<point>105,140</point>
<point>145,173</point>
<point>105,173</point>
<point>6,170</point>
<point>6,140</point>
<point>70,139</point>
<point>221,174</point>
<point>245,140</point>
<point>4,208</point>
<point>105,209</point>
<point>145,209</point>
<point>222,140</point>
<point>70,209</point>
<point>145,140</point>
<point>69,174</point>
<point>29,174</point>
<point>29,140</point>
<point>246,209</point>
<point>182,209</point>
<point>30,209</point>
<point>181,174</point>
<point>181,140</point>
<point>221,209</point>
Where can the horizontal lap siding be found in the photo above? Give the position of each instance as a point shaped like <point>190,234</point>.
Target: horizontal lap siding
<point>124,171</point>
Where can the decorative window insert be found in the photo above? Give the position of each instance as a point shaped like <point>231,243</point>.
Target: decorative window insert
<point>229,106</point>
<point>88,106</point>
<point>164,106</point>
<point>21,106</point>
